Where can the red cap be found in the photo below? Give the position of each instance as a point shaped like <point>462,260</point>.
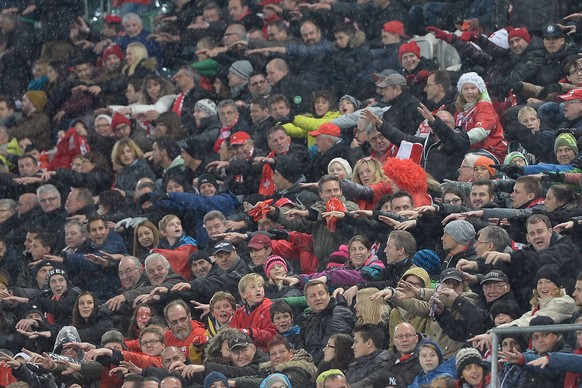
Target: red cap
<point>394,27</point>
<point>284,202</point>
<point>574,94</point>
<point>260,241</point>
<point>521,32</point>
<point>113,19</point>
<point>327,129</point>
<point>119,119</point>
<point>238,138</point>
<point>409,47</point>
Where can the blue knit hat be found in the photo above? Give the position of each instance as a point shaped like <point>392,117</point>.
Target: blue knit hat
<point>214,377</point>
<point>431,343</point>
<point>428,260</point>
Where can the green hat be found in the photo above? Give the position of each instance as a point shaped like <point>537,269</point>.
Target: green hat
<point>565,139</point>
<point>321,378</point>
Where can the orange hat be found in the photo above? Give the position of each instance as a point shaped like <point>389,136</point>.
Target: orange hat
<point>484,161</point>
<point>395,27</point>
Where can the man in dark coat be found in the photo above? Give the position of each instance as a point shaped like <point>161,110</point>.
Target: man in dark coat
<point>403,359</point>
<point>329,146</point>
<point>371,359</point>
<point>328,317</point>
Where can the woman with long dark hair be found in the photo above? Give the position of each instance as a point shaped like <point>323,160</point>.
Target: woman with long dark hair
<point>90,319</point>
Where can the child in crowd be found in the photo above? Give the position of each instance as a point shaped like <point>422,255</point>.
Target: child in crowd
<point>173,235</point>
<point>253,318</point>
<point>222,306</point>
<point>430,358</point>
<point>282,318</point>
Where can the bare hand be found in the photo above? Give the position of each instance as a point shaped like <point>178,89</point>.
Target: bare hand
<point>492,257</point>
<point>452,217</point>
<point>350,294</point>
<point>405,225</point>
<point>541,362</point>
<point>467,265</point>
<point>333,213</point>
<point>563,226</point>
<point>362,213</point>
<point>181,287</point>
<point>371,117</point>
<point>385,293</point>
<point>481,341</point>
<point>295,214</point>
<point>510,357</point>
<point>427,114</point>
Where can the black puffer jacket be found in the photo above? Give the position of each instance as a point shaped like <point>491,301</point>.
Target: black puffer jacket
<point>552,69</point>
<point>318,327</point>
<point>362,372</point>
<point>403,113</point>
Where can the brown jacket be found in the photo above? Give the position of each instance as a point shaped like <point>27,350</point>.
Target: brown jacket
<point>36,127</point>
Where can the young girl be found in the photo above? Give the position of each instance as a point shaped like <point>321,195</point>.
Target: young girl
<point>430,359</point>
<point>145,237</point>
<point>173,235</point>
<point>476,115</point>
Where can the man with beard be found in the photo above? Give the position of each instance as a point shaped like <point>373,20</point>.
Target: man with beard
<point>184,331</point>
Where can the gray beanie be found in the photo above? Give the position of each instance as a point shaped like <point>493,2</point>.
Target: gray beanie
<point>460,231</point>
<point>353,100</point>
<point>241,68</point>
<point>113,336</point>
<point>207,106</point>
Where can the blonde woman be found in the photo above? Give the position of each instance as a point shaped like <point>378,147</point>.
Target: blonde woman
<point>138,63</point>
<point>130,157</point>
<point>376,312</point>
<point>368,184</point>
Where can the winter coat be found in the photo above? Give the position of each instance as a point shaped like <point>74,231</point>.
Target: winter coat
<point>296,91</point>
<point>548,377</point>
<point>558,308</point>
<point>36,127</point>
<point>335,318</point>
<point>320,162</point>
<point>324,241</point>
<point>127,178</point>
<point>366,196</point>
<point>61,309</point>
<point>445,368</point>
<point>257,320</point>
<point>403,113</point>
<point>300,370</point>
<point>362,372</point>
<point>552,68</point>
<point>202,289</point>
<point>303,124</point>
<point>438,156</point>
<point>404,367</point>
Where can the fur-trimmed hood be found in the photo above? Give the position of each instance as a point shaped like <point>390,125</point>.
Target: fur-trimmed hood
<point>301,360</point>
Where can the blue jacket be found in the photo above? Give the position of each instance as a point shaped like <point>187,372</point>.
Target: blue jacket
<point>102,281</point>
<point>445,368</point>
<point>197,205</point>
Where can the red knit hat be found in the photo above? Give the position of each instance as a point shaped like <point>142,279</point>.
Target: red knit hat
<point>521,32</point>
<point>112,49</point>
<point>409,47</point>
<point>119,119</point>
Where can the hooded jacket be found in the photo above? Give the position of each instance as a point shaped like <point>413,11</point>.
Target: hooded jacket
<point>363,370</point>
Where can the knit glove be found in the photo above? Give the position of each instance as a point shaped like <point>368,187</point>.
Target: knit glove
<point>442,35</point>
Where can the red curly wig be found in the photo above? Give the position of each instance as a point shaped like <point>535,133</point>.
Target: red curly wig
<point>406,174</point>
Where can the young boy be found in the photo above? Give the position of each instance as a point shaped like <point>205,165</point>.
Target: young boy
<point>253,317</point>
<point>430,358</point>
<point>173,235</point>
<point>222,306</point>
<point>282,317</point>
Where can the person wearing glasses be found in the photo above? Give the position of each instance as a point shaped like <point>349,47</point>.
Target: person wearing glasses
<point>403,358</point>
<point>185,333</point>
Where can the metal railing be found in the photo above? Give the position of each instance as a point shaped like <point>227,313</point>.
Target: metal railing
<point>496,332</point>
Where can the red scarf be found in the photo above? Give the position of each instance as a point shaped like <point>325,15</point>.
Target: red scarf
<point>331,205</point>
<point>266,185</point>
<point>178,102</point>
<point>225,133</point>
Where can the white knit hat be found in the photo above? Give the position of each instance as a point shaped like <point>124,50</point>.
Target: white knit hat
<point>471,78</point>
<point>344,163</point>
<point>499,38</point>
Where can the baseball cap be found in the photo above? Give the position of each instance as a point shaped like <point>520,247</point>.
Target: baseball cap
<point>284,202</point>
<point>238,138</point>
<point>327,129</point>
<point>574,94</point>
<point>383,74</point>
<point>391,80</point>
<point>451,273</point>
<point>495,276</point>
<point>239,339</point>
<point>260,241</point>
<point>553,31</point>
<point>224,246</point>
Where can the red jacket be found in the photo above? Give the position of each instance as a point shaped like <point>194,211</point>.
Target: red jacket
<point>300,245</point>
<point>483,115</point>
<point>198,330</point>
<point>258,323</point>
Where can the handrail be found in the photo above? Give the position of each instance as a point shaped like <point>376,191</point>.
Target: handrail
<point>517,329</point>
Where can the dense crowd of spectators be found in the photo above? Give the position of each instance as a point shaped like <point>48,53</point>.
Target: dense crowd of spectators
<point>281,193</point>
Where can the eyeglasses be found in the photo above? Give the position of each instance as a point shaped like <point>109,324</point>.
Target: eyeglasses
<point>149,343</point>
<point>400,337</point>
<point>376,139</point>
<point>120,127</point>
<point>482,242</point>
<point>49,199</point>
<point>494,286</point>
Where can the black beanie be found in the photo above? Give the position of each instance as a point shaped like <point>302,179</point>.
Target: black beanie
<point>541,320</point>
<point>550,272</point>
<point>505,307</point>
<point>289,168</point>
<point>207,178</point>
<point>521,340</point>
